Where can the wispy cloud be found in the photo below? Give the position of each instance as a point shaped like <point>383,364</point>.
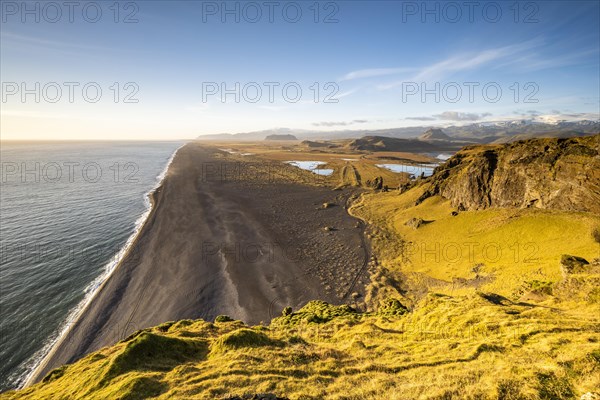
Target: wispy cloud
<point>16,39</point>
<point>452,116</point>
<point>533,62</point>
<point>340,123</point>
<point>522,56</point>
<point>421,118</point>
<point>345,94</point>
<point>464,62</point>
<point>461,116</point>
<point>374,72</point>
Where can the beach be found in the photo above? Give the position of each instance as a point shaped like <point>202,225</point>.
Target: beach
<point>224,236</point>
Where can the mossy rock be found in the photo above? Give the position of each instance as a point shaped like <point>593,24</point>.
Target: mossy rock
<point>242,338</point>
<point>414,223</point>
<point>165,326</point>
<point>154,352</point>
<point>317,312</point>
<point>391,307</point>
<point>542,287</point>
<point>223,318</point>
<point>573,264</point>
<point>596,235</point>
<point>55,374</point>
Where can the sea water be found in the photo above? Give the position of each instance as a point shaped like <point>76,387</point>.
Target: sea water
<point>67,211</point>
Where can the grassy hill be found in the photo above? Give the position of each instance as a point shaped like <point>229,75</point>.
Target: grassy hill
<point>492,303</point>
<point>472,346</point>
<point>472,328</point>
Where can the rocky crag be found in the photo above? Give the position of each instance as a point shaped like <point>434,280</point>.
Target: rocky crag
<point>561,174</point>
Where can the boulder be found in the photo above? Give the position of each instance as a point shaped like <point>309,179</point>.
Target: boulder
<point>376,184</point>
<point>414,223</point>
<point>573,265</point>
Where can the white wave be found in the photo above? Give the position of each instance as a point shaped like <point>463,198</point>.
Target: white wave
<point>91,290</point>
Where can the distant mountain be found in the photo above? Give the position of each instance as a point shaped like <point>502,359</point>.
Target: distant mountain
<point>382,143</point>
<point>252,136</point>
<point>281,137</point>
<point>488,132</point>
<point>434,134</point>
<point>313,145</point>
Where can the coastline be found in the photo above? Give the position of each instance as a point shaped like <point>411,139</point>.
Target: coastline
<point>185,262</point>
<point>91,291</point>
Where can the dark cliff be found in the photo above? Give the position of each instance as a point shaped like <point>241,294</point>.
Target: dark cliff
<point>562,174</point>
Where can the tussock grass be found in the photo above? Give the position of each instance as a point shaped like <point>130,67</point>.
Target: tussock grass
<point>467,346</point>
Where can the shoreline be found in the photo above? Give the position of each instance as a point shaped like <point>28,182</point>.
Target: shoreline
<point>185,261</point>
<point>48,350</point>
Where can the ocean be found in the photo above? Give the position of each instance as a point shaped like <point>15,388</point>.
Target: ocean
<point>67,211</point>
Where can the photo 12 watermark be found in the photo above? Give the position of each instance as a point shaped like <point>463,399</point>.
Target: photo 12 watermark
<point>69,92</point>
<point>66,172</point>
<point>234,171</point>
<point>270,92</point>
<point>52,12</point>
<point>452,12</point>
<point>472,92</point>
<point>251,252</point>
<point>471,251</point>
<point>252,12</point>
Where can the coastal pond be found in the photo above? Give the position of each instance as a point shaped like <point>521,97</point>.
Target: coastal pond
<point>413,170</point>
<point>312,166</point>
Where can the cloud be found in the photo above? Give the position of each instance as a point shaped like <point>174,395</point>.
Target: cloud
<point>459,116</point>
<point>344,94</point>
<point>533,62</point>
<point>464,62</point>
<point>340,123</point>
<point>374,72</point>
<point>531,113</point>
<point>44,43</point>
<point>562,116</point>
<point>421,118</point>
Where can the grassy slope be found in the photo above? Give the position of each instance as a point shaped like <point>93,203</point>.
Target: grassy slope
<point>467,347</point>
<point>508,329</point>
<point>510,248</point>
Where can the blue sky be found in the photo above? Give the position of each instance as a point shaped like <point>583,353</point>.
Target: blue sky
<point>375,58</point>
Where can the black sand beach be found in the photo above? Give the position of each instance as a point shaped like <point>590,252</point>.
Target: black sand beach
<point>224,237</point>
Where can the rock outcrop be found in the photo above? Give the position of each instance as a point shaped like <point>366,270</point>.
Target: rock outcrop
<point>562,174</point>
<point>434,134</point>
<point>281,137</point>
<point>573,265</point>
<point>381,143</point>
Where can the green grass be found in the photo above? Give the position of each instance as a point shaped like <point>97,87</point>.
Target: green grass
<point>498,250</point>
<point>441,325</point>
<point>467,347</point>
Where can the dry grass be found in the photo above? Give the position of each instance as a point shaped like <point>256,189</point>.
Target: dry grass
<point>463,347</point>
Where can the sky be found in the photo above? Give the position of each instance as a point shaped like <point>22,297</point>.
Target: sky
<point>154,70</point>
